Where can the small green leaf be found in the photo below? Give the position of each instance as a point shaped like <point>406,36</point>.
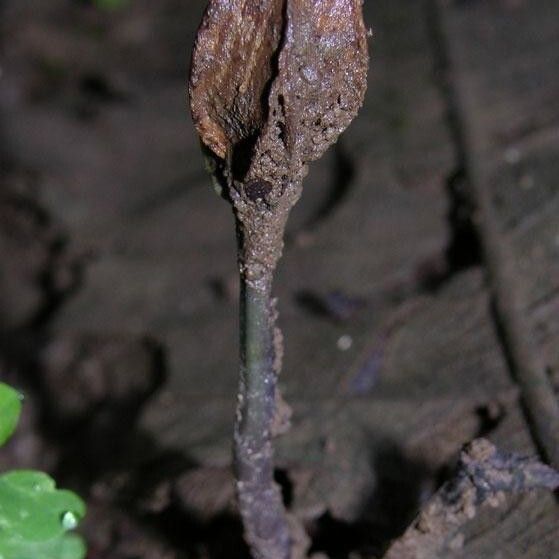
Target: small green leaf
<point>69,546</point>
<point>35,518</point>
<point>10,410</point>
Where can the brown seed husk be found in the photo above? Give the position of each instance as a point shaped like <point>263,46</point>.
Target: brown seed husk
<point>231,68</point>
<point>273,84</point>
<point>285,76</point>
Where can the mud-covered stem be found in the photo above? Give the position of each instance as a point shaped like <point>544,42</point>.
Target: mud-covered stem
<point>260,500</point>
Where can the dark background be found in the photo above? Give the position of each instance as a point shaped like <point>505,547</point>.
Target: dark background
<point>118,286</point>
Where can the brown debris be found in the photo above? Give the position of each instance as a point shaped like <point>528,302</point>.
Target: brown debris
<point>485,475</point>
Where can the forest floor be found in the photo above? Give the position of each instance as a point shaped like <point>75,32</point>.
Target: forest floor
<point>118,278</point>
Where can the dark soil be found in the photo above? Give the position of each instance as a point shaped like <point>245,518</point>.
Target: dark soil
<point>118,280</point>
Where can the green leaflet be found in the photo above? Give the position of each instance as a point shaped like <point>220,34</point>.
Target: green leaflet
<point>31,507</point>
<point>10,409</point>
<point>69,546</point>
<point>35,516</point>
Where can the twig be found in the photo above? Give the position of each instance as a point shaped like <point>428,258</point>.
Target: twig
<point>510,302</point>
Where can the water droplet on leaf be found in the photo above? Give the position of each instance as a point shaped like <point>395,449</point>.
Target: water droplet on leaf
<point>69,520</point>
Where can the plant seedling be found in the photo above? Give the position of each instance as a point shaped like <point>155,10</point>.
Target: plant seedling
<point>273,83</point>
<point>36,518</point>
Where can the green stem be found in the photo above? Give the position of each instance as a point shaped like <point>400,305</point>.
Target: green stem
<point>260,499</point>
